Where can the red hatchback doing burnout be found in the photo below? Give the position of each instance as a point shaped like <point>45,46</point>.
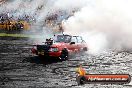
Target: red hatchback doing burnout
<point>61,46</point>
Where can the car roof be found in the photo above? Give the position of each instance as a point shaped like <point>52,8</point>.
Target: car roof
<point>64,34</point>
<point>69,35</point>
<point>76,36</point>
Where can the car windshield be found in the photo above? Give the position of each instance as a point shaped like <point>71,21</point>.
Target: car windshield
<point>63,38</point>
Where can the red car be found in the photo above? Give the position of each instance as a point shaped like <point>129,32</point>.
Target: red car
<point>61,46</point>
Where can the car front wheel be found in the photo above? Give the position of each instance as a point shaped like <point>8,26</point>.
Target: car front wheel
<point>64,54</point>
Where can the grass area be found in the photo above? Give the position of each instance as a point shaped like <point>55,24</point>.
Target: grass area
<point>13,35</point>
<point>19,35</point>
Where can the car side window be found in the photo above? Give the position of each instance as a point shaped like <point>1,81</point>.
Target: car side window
<point>67,39</point>
<point>79,39</point>
<point>74,39</point>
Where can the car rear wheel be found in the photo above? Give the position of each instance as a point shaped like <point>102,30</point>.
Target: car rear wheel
<point>85,49</point>
<point>64,54</point>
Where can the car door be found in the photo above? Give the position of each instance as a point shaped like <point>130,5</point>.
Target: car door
<point>80,44</point>
<point>73,44</point>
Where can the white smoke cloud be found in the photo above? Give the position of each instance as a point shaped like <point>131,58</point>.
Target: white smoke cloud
<point>39,9</point>
<point>103,23</point>
<point>110,21</point>
<point>69,4</point>
<point>52,6</point>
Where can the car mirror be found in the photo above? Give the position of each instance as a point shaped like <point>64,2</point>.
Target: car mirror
<point>72,43</point>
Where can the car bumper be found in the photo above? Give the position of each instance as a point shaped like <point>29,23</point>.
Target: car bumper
<point>49,54</point>
<point>54,54</point>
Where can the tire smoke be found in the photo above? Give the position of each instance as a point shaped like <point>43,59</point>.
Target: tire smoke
<point>105,24</point>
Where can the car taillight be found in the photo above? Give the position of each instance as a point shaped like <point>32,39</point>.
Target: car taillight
<point>34,49</point>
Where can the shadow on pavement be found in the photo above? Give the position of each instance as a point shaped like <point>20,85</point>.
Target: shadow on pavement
<point>42,60</point>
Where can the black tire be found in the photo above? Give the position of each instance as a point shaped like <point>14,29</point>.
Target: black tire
<point>85,49</point>
<point>64,54</point>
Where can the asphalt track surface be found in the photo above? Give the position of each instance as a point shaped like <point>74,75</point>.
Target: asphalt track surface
<point>19,69</point>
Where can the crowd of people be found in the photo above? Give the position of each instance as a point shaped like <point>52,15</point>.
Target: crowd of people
<point>9,17</point>
<point>52,20</point>
<point>11,22</point>
<point>55,19</point>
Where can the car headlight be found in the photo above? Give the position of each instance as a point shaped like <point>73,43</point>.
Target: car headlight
<point>53,49</point>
